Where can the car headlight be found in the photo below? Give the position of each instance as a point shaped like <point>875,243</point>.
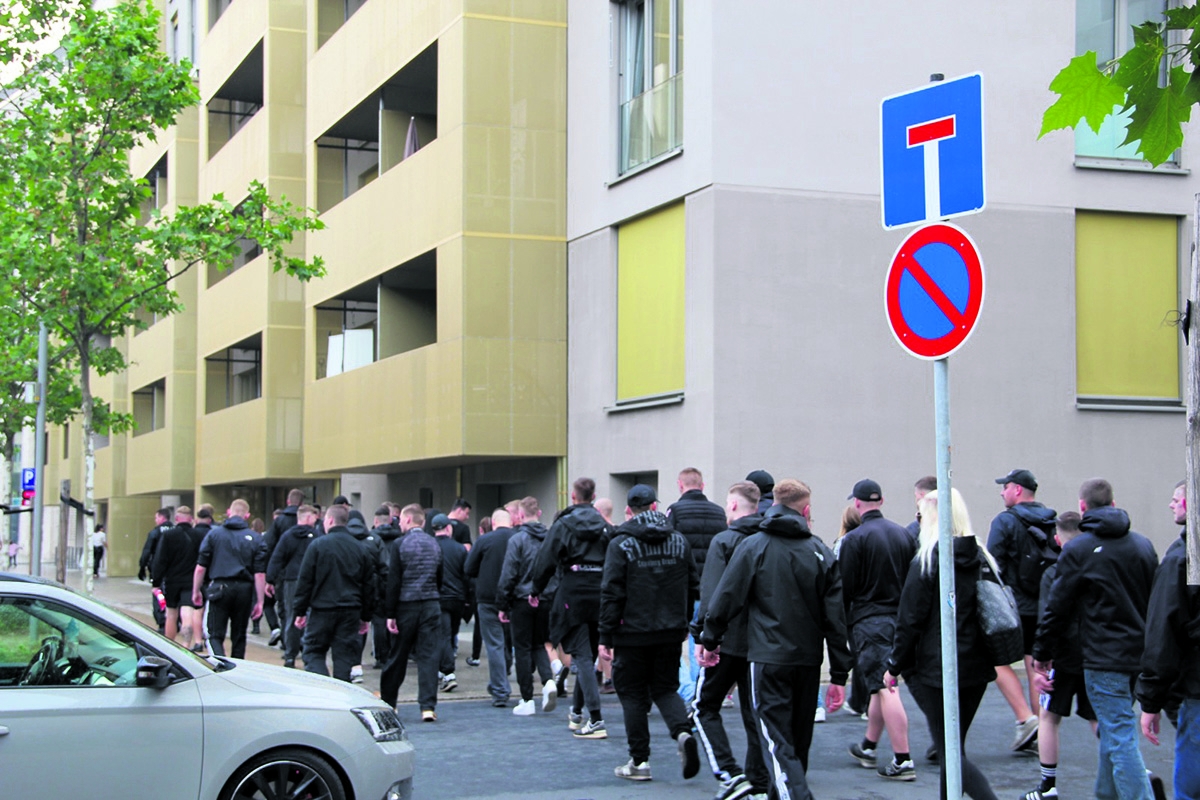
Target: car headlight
<point>381,723</point>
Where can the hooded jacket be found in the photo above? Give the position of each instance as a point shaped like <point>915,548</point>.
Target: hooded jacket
<point>151,546</point>
<point>1020,540</point>
<point>574,551</point>
<point>232,552</point>
<point>649,585</point>
<point>699,519</point>
<point>175,557</point>
<point>454,582</point>
<point>873,561</point>
<point>1104,575</point>
<point>336,573</point>
<point>788,582</point>
<point>1171,660</point>
<point>357,527</point>
<point>719,552</point>
<point>278,527</point>
<point>917,645</point>
<point>284,564</point>
<point>516,574</point>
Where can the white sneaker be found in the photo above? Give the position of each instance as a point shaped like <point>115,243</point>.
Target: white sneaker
<point>549,697</point>
<point>556,666</point>
<point>525,709</point>
<point>820,715</point>
<point>356,674</point>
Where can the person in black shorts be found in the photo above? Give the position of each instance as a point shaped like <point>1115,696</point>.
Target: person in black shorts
<point>1067,683</point>
<point>173,567</point>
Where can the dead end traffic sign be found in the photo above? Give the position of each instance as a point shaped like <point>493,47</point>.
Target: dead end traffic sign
<point>934,290</point>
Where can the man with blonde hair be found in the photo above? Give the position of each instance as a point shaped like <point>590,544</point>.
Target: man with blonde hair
<point>788,582</point>
<point>525,611</point>
<point>234,560</point>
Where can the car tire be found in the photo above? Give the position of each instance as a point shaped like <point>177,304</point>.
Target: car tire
<point>280,773</point>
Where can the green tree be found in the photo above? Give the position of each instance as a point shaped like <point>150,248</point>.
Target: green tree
<point>84,86</point>
<point>1157,82</point>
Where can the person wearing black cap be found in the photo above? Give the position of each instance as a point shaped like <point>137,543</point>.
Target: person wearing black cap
<point>766,485</point>
<point>874,560</point>
<point>647,591</point>
<point>1021,540</point>
<point>453,597</point>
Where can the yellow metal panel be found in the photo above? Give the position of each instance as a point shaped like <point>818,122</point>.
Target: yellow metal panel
<point>228,43</point>
<point>1126,286</point>
<point>231,444</point>
<point>240,161</point>
<point>528,11</point>
<point>650,304</point>
<point>233,309</point>
<point>151,352</point>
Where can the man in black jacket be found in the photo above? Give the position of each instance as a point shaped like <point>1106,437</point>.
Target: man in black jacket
<point>284,520</point>
<point>484,563</point>
<point>335,597</point>
<point>460,521</point>
<point>283,569</point>
<point>386,531</point>
<point>518,605</point>
<point>873,561</point>
<point>1104,576</point>
<point>162,524</point>
<point>453,598</point>
<point>1021,540</point>
<point>575,550</point>
<point>173,568</point>
<point>789,582</point>
<point>716,681</point>
<point>1171,660</point>
<point>766,488</point>
<point>649,586</point>
<point>233,560</point>
<point>699,520</point>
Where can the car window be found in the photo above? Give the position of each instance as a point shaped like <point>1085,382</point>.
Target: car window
<point>43,643</point>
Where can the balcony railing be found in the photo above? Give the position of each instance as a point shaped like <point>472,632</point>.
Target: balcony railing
<point>652,123</point>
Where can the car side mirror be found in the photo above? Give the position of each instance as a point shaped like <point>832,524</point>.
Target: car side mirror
<point>154,672</point>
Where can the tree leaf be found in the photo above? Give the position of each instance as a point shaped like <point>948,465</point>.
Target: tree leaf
<point>1085,93</point>
<point>1157,119</point>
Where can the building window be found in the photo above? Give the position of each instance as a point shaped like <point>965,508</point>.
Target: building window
<point>236,102</point>
<point>1126,290</point>
<point>1106,26</point>
<point>150,407</point>
<point>234,375</point>
<point>651,80</point>
<point>650,305</point>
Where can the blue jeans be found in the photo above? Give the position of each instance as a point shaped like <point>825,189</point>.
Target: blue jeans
<point>1121,774</point>
<point>1187,751</point>
<point>689,667</point>
<point>492,631</point>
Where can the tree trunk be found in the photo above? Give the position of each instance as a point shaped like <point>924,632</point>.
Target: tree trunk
<point>89,459</point>
<point>1193,409</point>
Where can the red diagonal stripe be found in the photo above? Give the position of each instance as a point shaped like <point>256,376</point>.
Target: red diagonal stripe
<point>935,292</point>
<point>931,131</point>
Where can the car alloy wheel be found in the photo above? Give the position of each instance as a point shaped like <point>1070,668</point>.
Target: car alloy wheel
<point>287,775</point>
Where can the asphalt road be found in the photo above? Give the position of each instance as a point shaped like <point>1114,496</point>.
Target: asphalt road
<point>480,752</point>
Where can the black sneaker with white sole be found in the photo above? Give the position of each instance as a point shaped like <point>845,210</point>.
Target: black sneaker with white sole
<point>865,757</point>
<point>903,771</point>
<point>689,754</point>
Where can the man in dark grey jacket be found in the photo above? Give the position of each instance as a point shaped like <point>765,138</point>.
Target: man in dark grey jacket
<point>790,584</point>
<point>413,612</point>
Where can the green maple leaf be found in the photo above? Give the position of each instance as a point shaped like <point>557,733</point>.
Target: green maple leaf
<point>1085,93</point>
<point>1158,117</point>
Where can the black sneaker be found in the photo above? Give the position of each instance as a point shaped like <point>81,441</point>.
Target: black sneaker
<point>1041,794</point>
<point>689,754</point>
<point>866,758</point>
<point>932,753</point>
<point>898,772</point>
<point>1156,786</point>
<point>734,788</point>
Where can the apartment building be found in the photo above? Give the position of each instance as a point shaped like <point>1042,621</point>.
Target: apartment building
<point>727,259</point>
<point>430,362</point>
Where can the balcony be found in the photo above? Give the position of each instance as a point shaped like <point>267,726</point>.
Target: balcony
<point>652,123</point>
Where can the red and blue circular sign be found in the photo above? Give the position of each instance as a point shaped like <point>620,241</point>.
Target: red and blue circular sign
<point>934,290</point>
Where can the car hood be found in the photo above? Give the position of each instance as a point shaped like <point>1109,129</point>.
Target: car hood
<point>304,688</point>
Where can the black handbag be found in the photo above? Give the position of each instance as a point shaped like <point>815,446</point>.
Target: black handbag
<point>999,619</point>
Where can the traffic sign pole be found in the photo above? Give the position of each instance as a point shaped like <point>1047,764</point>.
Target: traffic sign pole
<point>39,449</point>
<point>950,747</point>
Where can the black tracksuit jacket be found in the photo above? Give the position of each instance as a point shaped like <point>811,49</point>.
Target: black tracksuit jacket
<point>516,575</point>
<point>1171,659</point>
<point>1015,541</point>
<point>735,642</point>
<point>873,560</point>
<point>485,561</point>
<point>454,581</point>
<point>176,555</point>
<point>337,572</point>
<point>284,564</point>
<point>789,583</point>
<point>574,550</point>
<point>1104,575</point>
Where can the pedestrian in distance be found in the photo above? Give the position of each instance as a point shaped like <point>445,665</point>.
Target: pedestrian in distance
<point>283,570</point>
<point>233,560</point>
<point>484,564</point>
<point>99,542</point>
<point>647,595</point>
<point>1171,660</point>
<point>1104,576</point>
<point>334,597</point>
<point>789,583</point>
<point>917,648</point>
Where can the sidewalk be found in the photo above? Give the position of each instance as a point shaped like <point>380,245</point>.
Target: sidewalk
<point>132,597</point>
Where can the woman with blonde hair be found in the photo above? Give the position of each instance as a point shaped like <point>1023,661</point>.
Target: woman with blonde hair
<point>917,646</point>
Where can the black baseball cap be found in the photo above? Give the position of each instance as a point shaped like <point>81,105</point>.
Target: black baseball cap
<point>641,495</point>
<point>438,522</point>
<point>762,479</point>
<point>866,490</point>
<point>1021,477</point>
<point>340,500</point>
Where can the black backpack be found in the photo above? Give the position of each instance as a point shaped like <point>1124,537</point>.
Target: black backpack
<point>1037,551</point>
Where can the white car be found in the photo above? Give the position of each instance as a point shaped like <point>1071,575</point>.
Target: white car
<point>94,704</point>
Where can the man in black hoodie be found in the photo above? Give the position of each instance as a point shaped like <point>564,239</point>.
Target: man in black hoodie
<point>529,616</point>
<point>283,569</point>
<point>717,680</point>
<point>484,563</point>
<point>386,532</point>
<point>1104,576</point>
<point>453,598</point>
<point>1171,661</point>
<point>162,524</point>
<point>234,561</point>
<point>766,488</point>
<point>356,524</point>
<point>335,597</point>
<point>1022,542</point>
<point>173,568</point>
<point>575,550</point>
<point>788,581</point>
<point>647,593</point>
<point>284,520</point>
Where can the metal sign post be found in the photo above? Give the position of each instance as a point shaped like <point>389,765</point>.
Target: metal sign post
<point>950,747</point>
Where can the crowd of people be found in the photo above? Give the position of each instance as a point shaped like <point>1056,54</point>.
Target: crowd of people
<point>680,607</point>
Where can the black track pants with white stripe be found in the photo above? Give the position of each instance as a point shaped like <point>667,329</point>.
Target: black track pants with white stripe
<point>785,701</point>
